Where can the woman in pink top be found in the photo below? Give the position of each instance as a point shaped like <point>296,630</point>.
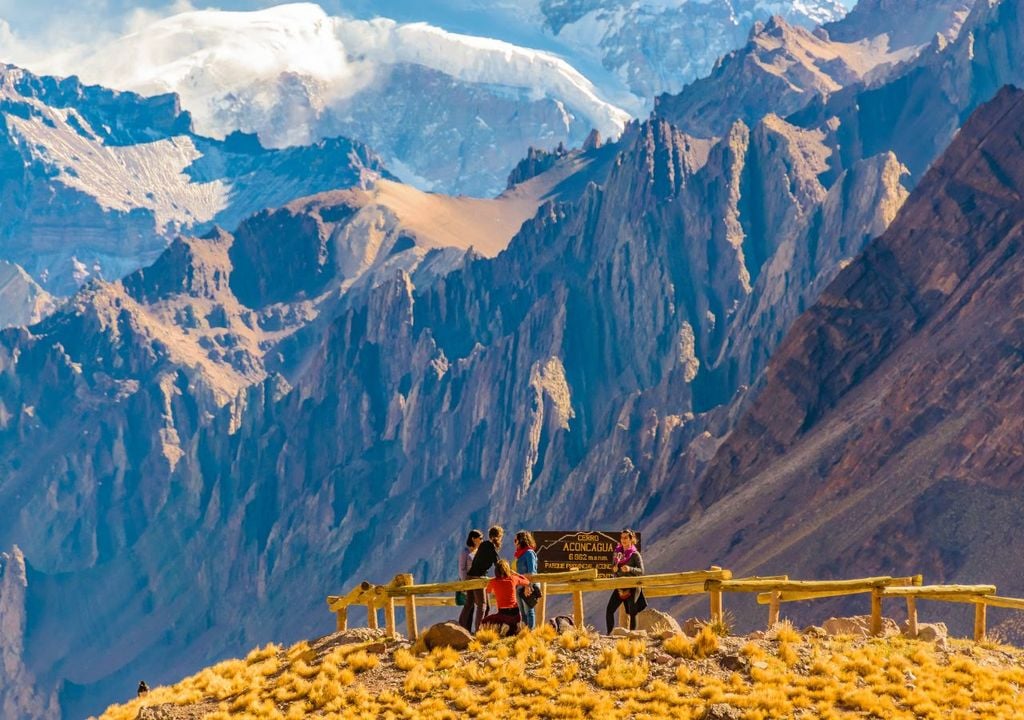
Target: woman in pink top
<point>503,585</point>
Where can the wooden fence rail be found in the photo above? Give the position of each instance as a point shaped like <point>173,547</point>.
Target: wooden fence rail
<point>715,581</point>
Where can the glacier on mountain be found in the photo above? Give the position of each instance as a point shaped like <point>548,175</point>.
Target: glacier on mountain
<point>293,74</point>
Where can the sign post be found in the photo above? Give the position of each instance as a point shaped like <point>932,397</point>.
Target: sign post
<point>558,551</point>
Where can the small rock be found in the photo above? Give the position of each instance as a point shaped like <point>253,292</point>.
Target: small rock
<point>633,634</point>
<point>757,635</point>
<point>660,658</point>
<point>722,711</point>
<point>932,631</point>
<point>942,644</point>
<point>157,712</point>
<point>447,634</point>
<point>656,622</point>
<point>377,648</point>
<point>667,635</point>
<point>760,665</point>
<point>859,626</point>
<point>692,626</point>
<point>733,661</point>
<point>815,631</point>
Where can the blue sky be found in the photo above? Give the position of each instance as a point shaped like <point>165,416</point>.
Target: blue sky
<point>30,19</point>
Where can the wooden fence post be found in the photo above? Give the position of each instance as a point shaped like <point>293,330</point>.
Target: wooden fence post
<point>773,609</point>
<point>371,615</point>
<point>912,616</point>
<point>876,611</point>
<point>412,630</point>
<point>979,621</point>
<point>389,617</point>
<point>577,608</point>
<point>623,616</point>
<point>404,580</point>
<point>342,619</point>
<point>542,604</point>
<point>715,593</point>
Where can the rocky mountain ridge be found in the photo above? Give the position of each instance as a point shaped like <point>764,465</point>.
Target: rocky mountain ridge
<point>886,414</point>
<point>97,182</point>
<point>655,47</point>
<point>530,368</point>
<point>784,67</point>
<point>589,371</point>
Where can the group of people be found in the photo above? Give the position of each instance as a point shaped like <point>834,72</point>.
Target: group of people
<point>516,594</point>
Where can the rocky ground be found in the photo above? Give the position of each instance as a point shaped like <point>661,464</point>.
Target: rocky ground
<point>578,673</point>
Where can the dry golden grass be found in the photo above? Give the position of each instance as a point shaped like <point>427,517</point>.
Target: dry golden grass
<point>579,675</point>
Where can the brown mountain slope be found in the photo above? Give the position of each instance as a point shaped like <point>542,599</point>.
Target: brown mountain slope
<point>888,434</point>
<point>783,67</point>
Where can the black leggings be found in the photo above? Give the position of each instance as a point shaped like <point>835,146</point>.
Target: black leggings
<point>509,617</point>
<point>613,605</point>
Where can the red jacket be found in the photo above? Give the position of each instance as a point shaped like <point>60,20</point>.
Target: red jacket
<point>504,590</point>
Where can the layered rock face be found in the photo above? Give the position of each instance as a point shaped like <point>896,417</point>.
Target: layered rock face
<point>903,22</point>
<point>22,301</point>
<point>886,437</point>
<point>919,110</point>
<point>95,183</point>
<point>19,695</point>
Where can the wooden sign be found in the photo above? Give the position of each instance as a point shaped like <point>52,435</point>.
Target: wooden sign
<point>577,549</point>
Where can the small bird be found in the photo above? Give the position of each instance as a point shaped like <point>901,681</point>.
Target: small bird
<point>143,688</point>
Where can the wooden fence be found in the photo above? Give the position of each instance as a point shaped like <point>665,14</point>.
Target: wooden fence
<point>772,591</point>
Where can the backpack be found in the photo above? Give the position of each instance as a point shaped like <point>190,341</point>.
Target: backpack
<point>561,623</point>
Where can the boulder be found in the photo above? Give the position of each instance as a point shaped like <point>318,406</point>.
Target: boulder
<point>927,631</point>
<point>932,631</point>
<point>655,622</point>
<point>447,634</point>
<point>859,626</point>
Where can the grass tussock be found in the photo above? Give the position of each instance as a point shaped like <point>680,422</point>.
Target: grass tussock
<point>578,674</point>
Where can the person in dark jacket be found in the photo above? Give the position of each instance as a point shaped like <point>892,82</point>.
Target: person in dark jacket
<point>627,562</point>
<point>485,558</point>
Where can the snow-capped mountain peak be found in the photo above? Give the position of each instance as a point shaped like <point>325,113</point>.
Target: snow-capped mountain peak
<point>294,74</point>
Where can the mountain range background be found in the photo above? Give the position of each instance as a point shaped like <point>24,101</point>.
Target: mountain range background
<point>771,320</point>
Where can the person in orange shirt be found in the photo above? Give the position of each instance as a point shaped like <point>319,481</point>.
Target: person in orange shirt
<point>503,585</point>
